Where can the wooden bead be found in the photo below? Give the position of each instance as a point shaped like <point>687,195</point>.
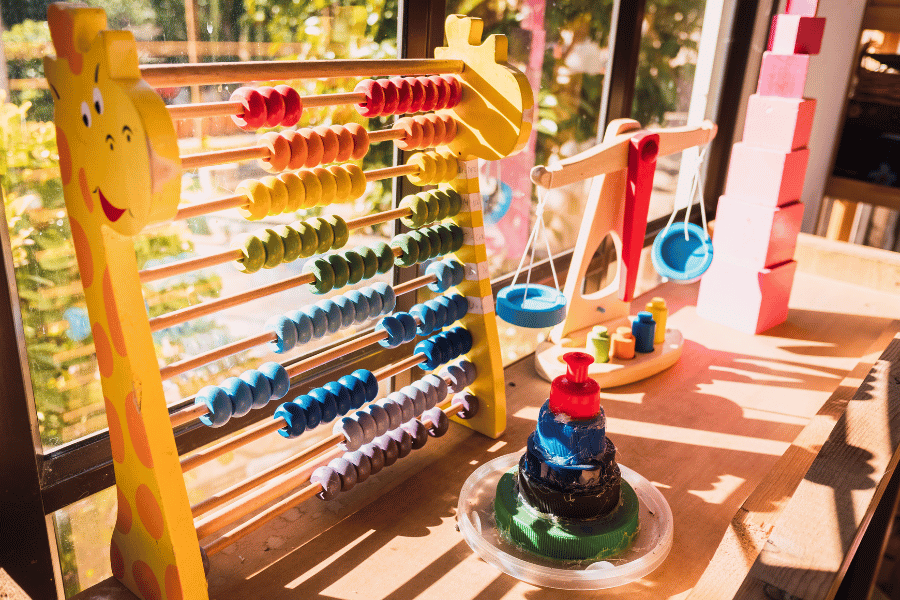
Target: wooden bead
<point>312,189</point>
<point>295,190</point>
<point>293,105</point>
<point>425,315</point>
<point>417,433</point>
<point>319,319</point>
<point>254,255</point>
<point>356,387</point>
<point>360,140</point>
<point>345,142</point>
<point>435,241</point>
<point>361,463</point>
<point>278,195</point>
<point>470,405</point>
<point>423,242</point>
<point>440,168</point>
<point>334,319</point>
<point>431,93</point>
<point>393,329</point>
<point>621,344</point>
<point>303,325</point>
<point>440,424</point>
<point>392,409</point>
<point>341,270</point>
<point>427,131</point>
<point>343,186</point>
<point>253,115</point>
<point>348,312</point>
<point>440,129</point>
<point>279,152</point>
<point>309,240</point>
<point>433,206</point>
<point>260,387</point>
<point>290,239</point>
<point>443,202</point>
<point>409,250</point>
<point>258,199</point>
<point>375,456</point>
<point>373,298</point>
<point>324,276</point>
<point>217,403</point>
<point>315,148</point>
<point>285,333</point>
<point>404,94</point>
<point>425,173</point>
<point>298,149</point>
<point>330,144</point>
<point>430,392</point>
<point>328,183</point>
<point>446,242</point>
<point>449,128</point>
<point>455,91</point>
<point>294,418</point>
<point>418,94</point>
<point>443,91</point>
<point>403,440</point>
<point>418,208</point>
<point>339,230</point>
<point>329,480</point>
<point>413,138</point>
<point>438,384</point>
<point>312,409</point>
<point>451,164</point>
<point>443,274</point>
<point>357,181</point>
<point>274,248</point>
<point>409,325</point>
<point>388,296</point>
<point>369,381</point>
<point>374,103</point>
<point>274,106</point>
<point>278,378</point>
<point>357,267</point>
<point>324,234</point>
<point>385,257</point>
<point>391,96</point>
<point>370,261</point>
<point>240,395</point>
<point>388,448</point>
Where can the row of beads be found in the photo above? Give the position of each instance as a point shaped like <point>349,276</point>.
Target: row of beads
<point>237,395</point>
<point>267,107</point>
<point>434,167</point>
<point>425,131</point>
<point>422,319</point>
<point>287,243</point>
<point>290,192</point>
<point>348,267</point>
<point>444,347</point>
<point>313,147</point>
<point>430,206</point>
<point>400,95</point>
<point>327,317</point>
<point>448,273</point>
<point>424,244</point>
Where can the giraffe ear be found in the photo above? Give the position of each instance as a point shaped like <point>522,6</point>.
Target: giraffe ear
<point>120,52</point>
<point>73,29</point>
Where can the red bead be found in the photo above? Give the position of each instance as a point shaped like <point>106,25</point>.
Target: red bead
<point>274,105</point>
<point>431,93</point>
<point>443,91</point>
<point>254,114</point>
<point>404,91</point>
<point>293,105</point>
<point>374,104</point>
<point>418,94</point>
<point>391,96</point>
<point>455,90</point>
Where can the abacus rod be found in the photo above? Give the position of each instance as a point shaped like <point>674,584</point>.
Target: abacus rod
<point>340,350</point>
<point>333,99</point>
<point>182,366</point>
<point>383,135</point>
<point>398,367</point>
<point>211,206</point>
<point>250,434</point>
<point>228,108</point>
<point>414,284</point>
<point>388,172</point>
<point>187,414</point>
<point>281,507</point>
<point>216,73</point>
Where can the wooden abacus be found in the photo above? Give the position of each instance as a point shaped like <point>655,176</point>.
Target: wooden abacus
<point>121,171</point>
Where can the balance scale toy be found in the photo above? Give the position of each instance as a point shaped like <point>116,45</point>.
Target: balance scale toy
<point>622,168</point>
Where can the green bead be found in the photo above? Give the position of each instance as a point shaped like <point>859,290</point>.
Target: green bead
<point>356,264</point>
<point>435,240</point>
<point>455,201</point>
<point>421,238</point>
<point>274,248</point>
<point>446,239</point>
<point>324,233</point>
<point>434,207</point>
<point>254,255</point>
<point>385,257</point>
<point>370,260</point>
<point>324,274</point>
<point>339,230</point>
<point>443,199</point>
<point>458,236</point>
<point>309,239</point>
<point>409,249</point>
<point>419,208</point>
<point>291,241</point>
<point>341,270</point>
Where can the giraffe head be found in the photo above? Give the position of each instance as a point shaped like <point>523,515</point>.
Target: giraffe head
<point>114,134</point>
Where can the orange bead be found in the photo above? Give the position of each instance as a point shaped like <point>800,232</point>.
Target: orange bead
<point>330,144</point>
<point>427,131</point>
<point>622,344</point>
<point>440,130</point>
<point>279,152</point>
<point>449,128</point>
<point>298,149</point>
<point>345,142</point>
<point>360,140</point>
<point>314,148</point>
<point>413,138</point>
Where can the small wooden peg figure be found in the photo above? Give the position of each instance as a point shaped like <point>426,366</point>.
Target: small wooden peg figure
<point>657,308</point>
<point>598,343</point>
<point>622,344</point>
<point>643,328</point>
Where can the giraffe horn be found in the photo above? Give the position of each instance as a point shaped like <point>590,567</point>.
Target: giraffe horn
<point>162,170</point>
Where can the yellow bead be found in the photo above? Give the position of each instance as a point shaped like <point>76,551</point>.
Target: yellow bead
<point>278,194</point>
<point>452,163</point>
<point>657,307</point>
<point>440,167</point>
<point>357,181</point>
<point>329,185</point>
<point>342,179</point>
<point>258,198</point>
<point>426,168</point>
<point>312,188</point>
<point>296,192</point>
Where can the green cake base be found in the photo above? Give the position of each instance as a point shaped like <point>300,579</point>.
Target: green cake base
<point>568,540</point>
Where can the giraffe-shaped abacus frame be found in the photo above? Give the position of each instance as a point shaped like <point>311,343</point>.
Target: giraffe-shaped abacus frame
<point>121,170</point>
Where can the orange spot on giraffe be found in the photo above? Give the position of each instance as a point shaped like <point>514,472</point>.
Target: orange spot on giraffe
<point>63,28</point>
<point>65,157</point>
<point>85,190</point>
<point>123,516</point>
<point>137,432</point>
<point>112,315</point>
<point>173,583</point>
<point>145,580</point>
<point>116,561</point>
<point>104,350</point>
<point>149,512</point>
<point>82,252</point>
<point>116,439</point>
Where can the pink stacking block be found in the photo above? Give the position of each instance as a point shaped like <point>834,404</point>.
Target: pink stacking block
<point>766,177</point>
<point>783,75</point>
<point>744,298</point>
<point>781,124</point>
<point>807,8</point>
<point>796,34</point>
<point>756,236</point>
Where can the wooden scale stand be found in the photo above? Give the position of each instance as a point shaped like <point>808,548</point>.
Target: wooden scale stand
<point>121,171</point>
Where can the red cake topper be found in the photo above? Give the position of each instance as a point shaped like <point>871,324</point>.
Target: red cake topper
<point>575,394</point>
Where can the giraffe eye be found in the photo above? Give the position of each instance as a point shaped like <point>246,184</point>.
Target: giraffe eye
<point>85,114</point>
<point>98,101</point>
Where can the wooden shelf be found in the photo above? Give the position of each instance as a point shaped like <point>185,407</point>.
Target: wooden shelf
<point>863,191</point>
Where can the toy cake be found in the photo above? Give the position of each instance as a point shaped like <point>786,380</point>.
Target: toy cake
<point>567,500</point>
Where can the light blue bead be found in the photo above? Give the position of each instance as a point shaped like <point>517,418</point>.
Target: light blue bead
<point>285,331</point>
<point>432,354</point>
<point>462,305</point>
<point>425,314</point>
<point>388,297</point>
<point>374,298</point>
<point>303,324</point>
<point>260,386</point>
<point>342,394</point>
<point>217,402</point>
<point>319,319</point>
<point>240,394</point>
<point>348,311</point>
<point>440,313</point>
<point>409,325</point>
<point>357,390</point>
<point>449,307</point>
<point>444,274</point>
<point>278,379</point>
<point>360,305</point>
<point>394,330</point>
<point>458,270</point>
<point>334,315</point>
<point>643,329</point>
<point>313,410</point>
<point>369,382</point>
<point>327,403</point>
<point>294,419</point>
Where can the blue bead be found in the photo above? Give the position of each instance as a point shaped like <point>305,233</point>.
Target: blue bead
<point>294,419</point>
<point>260,386</point>
<point>278,379</point>
<point>327,403</point>
<point>312,408</point>
<point>334,315</point>
<point>388,297</point>
<point>459,270</point>
<point>374,299</point>
<point>357,390</point>
<point>240,394</point>
<point>303,324</point>
<point>462,305</point>
<point>455,341</point>
<point>348,311</point>
<point>394,330</point>
<point>342,394</point>
<point>431,352</point>
<point>444,348</point>
<point>217,402</point>
<point>319,320</point>
<point>440,313</point>
<point>409,325</point>
<point>466,338</point>
<point>286,332</point>
<point>449,308</point>
<point>643,329</point>
<point>426,316</point>
<point>369,382</point>
<point>444,276</point>
<point>360,305</point>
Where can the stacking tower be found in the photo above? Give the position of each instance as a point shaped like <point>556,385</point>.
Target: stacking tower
<point>749,282</point>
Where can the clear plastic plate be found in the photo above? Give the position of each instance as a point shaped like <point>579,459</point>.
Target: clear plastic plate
<point>476,523</point>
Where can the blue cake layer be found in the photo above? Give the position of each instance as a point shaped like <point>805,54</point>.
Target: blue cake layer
<point>561,441</point>
<point>582,478</point>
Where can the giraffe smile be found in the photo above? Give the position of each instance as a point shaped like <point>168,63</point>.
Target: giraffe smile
<point>112,213</point>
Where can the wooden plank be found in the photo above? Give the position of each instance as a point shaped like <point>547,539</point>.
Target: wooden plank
<point>863,191</point>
